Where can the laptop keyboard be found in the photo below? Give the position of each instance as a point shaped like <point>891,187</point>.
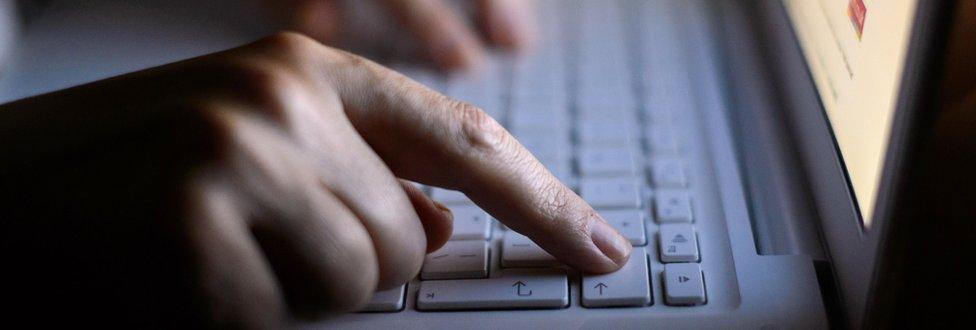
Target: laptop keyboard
<point>579,104</point>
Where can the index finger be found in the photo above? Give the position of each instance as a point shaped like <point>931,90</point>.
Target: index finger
<point>427,137</point>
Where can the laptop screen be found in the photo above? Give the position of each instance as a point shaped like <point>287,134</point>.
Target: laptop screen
<point>856,50</point>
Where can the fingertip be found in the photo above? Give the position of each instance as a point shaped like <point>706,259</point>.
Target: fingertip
<point>508,24</point>
<point>436,218</point>
<point>454,53</point>
<point>448,219</point>
<point>613,245</point>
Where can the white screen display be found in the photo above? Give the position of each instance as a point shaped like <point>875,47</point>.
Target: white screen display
<point>856,51</point>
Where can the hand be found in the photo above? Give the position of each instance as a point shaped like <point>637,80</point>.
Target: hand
<point>258,185</point>
<point>443,35</point>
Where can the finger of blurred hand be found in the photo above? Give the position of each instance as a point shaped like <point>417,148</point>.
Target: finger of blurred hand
<point>507,23</point>
<point>321,253</point>
<point>426,137</point>
<point>361,180</point>
<point>240,288</point>
<point>294,95</point>
<point>437,219</point>
<point>447,40</point>
<point>320,19</point>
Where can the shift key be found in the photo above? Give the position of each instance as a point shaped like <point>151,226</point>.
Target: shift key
<point>513,289</point>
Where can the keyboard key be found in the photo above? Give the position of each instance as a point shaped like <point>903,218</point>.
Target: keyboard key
<point>605,133</point>
<point>668,173</point>
<point>659,117</point>
<point>539,118</point>
<point>520,251</point>
<point>390,300</point>
<point>629,223</point>
<point>661,141</point>
<point>457,260</point>
<point>449,197</point>
<point>620,118</point>
<point>619,161</point>
<point>628,286</point>
<point>673,207</point>
<point>546,143</point>
<point>523,288</point>
<point>622,192</point>
<point>683,284</point>
<point>678,243</point>
<point>470,223</point>
<point>609,96</point>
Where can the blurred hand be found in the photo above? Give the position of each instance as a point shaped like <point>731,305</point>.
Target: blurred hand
<point>441,31</point>
<point>254,187</point>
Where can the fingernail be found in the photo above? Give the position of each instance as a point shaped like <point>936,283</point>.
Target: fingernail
<point>611,243</point>
<point>445,210</point>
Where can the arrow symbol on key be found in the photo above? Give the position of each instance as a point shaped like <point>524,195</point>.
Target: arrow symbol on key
<point>519,286</point>
<point>600,286</point>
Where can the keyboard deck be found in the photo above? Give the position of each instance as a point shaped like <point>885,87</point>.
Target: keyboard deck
<point>607,123</point>
<point>607,103</point>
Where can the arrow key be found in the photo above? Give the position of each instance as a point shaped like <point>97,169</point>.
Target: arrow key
<point>626,287</point>
<point>683,285</point>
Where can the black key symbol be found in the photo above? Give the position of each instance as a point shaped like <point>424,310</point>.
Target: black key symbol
<point>600,287</point>
<point>518,289</point>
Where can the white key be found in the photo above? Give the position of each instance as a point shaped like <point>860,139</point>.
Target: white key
<point>605,133</point>
<point>543,103</point>
<point>456,260</point>
<point>539,118</point>
<point>470,223</point>
<point>390,300</point>
<point>629,223</point>
<point>563,170</point>
<point>523,288</point>
<point>659,117</point>
<point>661,141</point>
<point>683,284</point>
<point>678,243</point>
<point>668,173</point>
<point>628,286</point>
<point>622,192</point>
<point>551,143</point>
<point>554,159</point>
<point>520,251</point>
<point>618,117</point>
<point>449,196</point>
<point>618,161</point>
<point>673,207</point>
<point>614,95</point>
<point>482,90</point>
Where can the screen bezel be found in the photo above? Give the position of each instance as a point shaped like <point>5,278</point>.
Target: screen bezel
<point>854,252</point>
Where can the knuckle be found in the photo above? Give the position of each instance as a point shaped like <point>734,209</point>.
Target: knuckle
<point>338,57</point>
<point>197,132</point>
<point>272,88</point>
<point>478,132</point>
<point>292,45</point>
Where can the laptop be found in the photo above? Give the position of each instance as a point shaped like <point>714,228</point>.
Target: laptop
<point>754,153</point>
